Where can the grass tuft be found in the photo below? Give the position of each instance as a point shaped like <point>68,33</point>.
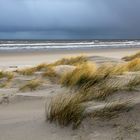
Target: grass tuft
<point>112,110</point>
<point>65,109</point>
<point>71,61</point>
<point>134,65</point>
<point>31,85</point>
<point>27,71</point>
<point>133,83</point>
<point>131,57</point>
<point>8,75</point>
<point>49,73</point>
<point>82,74</point>
<point>41,67</point>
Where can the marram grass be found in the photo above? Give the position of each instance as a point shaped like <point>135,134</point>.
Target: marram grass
<point>71,61</point>
<point>82,74</point>
<point>65,109</point>
<point>31,85</point>
<point>131,57</point>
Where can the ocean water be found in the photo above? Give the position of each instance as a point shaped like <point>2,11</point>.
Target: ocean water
<point>22,45</point>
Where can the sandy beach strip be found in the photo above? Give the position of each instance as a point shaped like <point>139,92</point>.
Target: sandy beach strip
<point>33,57</point>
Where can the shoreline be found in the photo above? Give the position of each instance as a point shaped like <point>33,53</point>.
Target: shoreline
<point>34,57</point>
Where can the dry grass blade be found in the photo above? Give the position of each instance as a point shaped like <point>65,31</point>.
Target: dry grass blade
<point>71,61</point>
<point>49,73</point>
<point>134,65</point>
<point>133,83</point>
<point>41,67</point>
<point>31,85</point>
<point>129,58</point>
<point>8,75</point>
<point>27,71</point>
<point>65,109</point>
<point>111,110</point>
<point>82,74</point>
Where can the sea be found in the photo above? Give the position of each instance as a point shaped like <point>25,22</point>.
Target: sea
<point>67,44</point>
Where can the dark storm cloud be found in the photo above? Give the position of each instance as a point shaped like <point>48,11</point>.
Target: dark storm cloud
<point>69,19</point>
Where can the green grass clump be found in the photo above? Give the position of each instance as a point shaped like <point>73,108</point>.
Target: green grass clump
<point>131,57</point>
<point>71,61</point>
<point>31,85</point>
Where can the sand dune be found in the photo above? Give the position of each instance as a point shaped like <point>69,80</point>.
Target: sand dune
<point>22,114</point>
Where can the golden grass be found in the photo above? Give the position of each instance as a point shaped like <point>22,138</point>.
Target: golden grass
<point>27,71</point>
<point>65,109</point>
<point>131,57</point>
<point>49,72</point>
<point>69,109</point>
<point>8,75</point>
<point>32,70</point>
<point>41,66</point>
<point>79,76</point>
<point>71,61</point>
<point>133,83</point>
<point>133,65</point>
<point>105,90</point>
<point>87,75</point>
<point>31,85</point>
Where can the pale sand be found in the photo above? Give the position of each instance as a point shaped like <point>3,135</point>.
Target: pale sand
<point>22,58</point>
<point>24,117</point>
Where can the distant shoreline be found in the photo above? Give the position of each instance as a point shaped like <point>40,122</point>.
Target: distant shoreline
<point>34,57</point>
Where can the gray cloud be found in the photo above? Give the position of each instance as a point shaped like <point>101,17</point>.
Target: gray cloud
<point>69,19</point>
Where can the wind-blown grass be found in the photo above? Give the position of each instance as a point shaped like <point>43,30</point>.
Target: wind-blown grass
<point>71,61</point>
<point>70,109</point>
<point>7,75</point>
<point>42,66</point>
<point>111,110</point>
<point>131,57</point>
<point>27,71</point>
<point>133,83</point>
<point>31,85</point>
<point>65,109</point>
<point>82,74</point>
<point>133,65</point>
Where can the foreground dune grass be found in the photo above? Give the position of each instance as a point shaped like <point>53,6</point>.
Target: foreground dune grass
<point>65,109</point>
<point>131,57</point>
<point>91,84</point>
<point>70,109</point>
<point>133,83</point>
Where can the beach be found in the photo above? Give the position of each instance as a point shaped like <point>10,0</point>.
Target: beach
<point>22,113</point>
<point>34,57</point>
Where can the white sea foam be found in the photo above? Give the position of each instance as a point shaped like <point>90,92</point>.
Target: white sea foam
<point>13,45</point>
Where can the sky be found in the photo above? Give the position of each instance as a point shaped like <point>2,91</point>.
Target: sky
<point>69,19</point>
